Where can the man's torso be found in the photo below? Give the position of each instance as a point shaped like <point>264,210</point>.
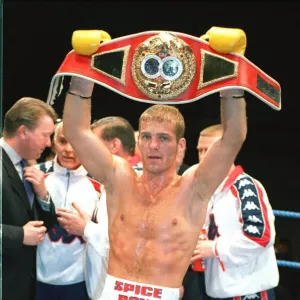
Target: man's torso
<point>153,233</point>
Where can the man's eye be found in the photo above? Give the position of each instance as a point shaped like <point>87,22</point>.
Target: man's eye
<point>163,138</point>
<point>63,141</point>
<point>146,137</point>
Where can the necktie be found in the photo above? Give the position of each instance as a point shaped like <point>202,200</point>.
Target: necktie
<point>27,184</point>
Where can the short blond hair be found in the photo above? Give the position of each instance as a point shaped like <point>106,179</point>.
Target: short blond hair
<point>165,113</point>
<point>213,130</point>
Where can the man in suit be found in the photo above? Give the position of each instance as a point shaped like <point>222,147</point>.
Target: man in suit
<point>28,126</point>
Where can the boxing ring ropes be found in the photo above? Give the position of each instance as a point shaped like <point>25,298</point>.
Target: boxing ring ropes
<point>293,215</point>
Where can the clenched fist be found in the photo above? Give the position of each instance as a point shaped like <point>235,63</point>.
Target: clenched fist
<point>34,233</point>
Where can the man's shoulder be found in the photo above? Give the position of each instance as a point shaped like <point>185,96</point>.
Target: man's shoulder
<point>8,168</point>
<point>3,155</point>
<point>245,176</point>
<point>96,184</point>
<point>247,182</point>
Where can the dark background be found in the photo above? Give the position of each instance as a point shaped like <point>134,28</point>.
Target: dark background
<point>37,36</point>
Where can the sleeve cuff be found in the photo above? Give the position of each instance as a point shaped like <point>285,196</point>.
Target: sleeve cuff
<point>45,204</point>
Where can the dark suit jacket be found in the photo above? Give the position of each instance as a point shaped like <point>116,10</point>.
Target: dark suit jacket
<point>18,260</point>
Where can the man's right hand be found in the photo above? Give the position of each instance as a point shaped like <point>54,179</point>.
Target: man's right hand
<point>34,233</point>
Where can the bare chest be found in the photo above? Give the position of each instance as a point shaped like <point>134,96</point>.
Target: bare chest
<point>150,215</point>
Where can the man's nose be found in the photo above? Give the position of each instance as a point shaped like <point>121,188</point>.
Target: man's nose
<point>68,147</point>
<point>154,143</point>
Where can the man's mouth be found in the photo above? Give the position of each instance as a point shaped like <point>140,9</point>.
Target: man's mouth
<point>67,158</point>
<point>154,157</point>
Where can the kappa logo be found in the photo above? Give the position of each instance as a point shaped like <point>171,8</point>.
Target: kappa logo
<point>250,205</point>
<point>252,229</point>
<point>248,193</point>
<point>249,197</point>
<point>244,182</point>
<point>254,219</point>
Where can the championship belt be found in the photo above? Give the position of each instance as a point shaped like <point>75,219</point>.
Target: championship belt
<point>166,67</point>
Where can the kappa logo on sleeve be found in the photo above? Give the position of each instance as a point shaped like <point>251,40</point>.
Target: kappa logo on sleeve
<point>250,206</point>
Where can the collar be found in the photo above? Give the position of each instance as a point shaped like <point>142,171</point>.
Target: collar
<point>14,156</point>
<point>80,171</point>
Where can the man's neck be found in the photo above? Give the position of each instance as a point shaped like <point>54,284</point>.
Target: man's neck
<point>156,182</point>
<point>125,156</point>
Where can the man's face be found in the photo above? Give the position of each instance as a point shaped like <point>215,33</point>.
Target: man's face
<point>158,145</point>
<point>204,142</point>
<point>36,140</point>
<point>64,151</point>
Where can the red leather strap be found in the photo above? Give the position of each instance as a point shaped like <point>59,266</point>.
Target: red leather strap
<point>247,76</point>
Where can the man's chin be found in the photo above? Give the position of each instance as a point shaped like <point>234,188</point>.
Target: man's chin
<point>69,165</point>
<point>153,169</point>
<point>37,156</point>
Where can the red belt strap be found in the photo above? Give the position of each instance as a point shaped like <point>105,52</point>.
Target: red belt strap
<point>125,66</point>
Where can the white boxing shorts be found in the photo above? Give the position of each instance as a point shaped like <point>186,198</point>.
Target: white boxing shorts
<point>120,289</point>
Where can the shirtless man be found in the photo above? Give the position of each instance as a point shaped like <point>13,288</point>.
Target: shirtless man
<point>155,218</point>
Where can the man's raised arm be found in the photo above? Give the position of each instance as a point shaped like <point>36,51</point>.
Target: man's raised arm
<point>215,165</point>
<point>94,156</point>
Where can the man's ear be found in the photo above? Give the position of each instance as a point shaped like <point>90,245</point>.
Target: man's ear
<point>115,145</point>
<point>181,148</point>
<point>22,132</point>
<point>182,145</point>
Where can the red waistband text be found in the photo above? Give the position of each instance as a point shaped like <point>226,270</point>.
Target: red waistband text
<point>137,290</point>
